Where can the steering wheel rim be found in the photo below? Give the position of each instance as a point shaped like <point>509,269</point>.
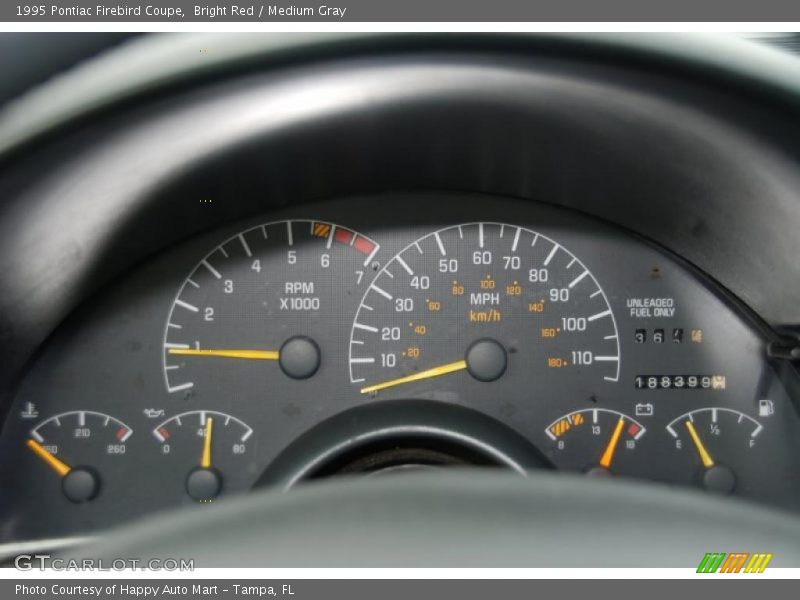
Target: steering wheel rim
<point>470,518</point>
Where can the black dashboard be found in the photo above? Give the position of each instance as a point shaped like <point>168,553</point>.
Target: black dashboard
<point>408,258</point>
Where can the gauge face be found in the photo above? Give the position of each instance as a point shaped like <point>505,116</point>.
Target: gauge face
<point>594,441</point>
<point>79,447</point>
<point>206,451</point>
<point>486,301</point>
<point>716,444</point>
<point>253,308</point>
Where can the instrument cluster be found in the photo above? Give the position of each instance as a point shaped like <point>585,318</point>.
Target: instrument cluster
<point>191,378</point>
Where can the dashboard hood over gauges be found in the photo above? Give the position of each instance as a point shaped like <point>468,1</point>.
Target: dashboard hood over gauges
<point>235,262</point>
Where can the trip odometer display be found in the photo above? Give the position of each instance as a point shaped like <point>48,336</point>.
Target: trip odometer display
<point>484,302</point>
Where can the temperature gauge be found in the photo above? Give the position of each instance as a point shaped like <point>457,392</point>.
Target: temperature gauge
<point>77,446</point>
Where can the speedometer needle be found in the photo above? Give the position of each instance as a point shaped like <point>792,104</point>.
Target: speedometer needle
<point>708,462</point>
<point>452,367</point>
<point>247,354</point>
<point>608,455</point>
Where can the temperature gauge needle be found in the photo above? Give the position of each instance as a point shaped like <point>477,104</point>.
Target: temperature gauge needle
<point>452,367</point>
<point>608,455</point>
<point>57,465</point>
<point>246,354</point>
<point>205,460</point>
<point>708,462</point>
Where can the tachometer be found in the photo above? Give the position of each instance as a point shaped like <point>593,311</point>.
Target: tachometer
<point>483,301</point>
<point>262,296</point>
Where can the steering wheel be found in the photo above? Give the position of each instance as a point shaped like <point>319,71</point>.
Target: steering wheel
<point>455,518</point>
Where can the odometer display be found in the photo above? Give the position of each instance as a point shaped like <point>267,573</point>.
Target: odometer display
<point>486,300</point>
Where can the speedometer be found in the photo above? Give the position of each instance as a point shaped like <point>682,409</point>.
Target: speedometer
<point>483,302</point>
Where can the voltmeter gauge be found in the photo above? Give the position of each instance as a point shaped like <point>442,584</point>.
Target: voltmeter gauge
<point>596,441</point>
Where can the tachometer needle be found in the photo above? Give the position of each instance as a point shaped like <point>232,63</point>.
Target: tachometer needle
<point>57,465</point>
<point>247,354</point>
<point>608,455</point>
<point>708,462</point>
<point>452,367</point>
<point>205,460</point>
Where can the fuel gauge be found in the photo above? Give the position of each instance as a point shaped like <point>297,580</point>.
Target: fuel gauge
<point>713,438</point>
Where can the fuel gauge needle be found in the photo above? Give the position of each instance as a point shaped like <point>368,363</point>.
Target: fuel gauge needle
<point>452,367</point>
<point>205,460</point>
<point>611,448</point>
<point>708,462</point>
<point>57,465</point>
<point>246,354</point>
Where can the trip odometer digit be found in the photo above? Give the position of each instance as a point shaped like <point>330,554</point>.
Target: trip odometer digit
<point>484,302</point>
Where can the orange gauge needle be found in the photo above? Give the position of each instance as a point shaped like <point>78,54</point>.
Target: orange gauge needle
<point>57,465</point>
<point>708,462</point>
<point>608,455</point>
<point>452,367</point>
<point>246,354</point>
<point>205,460</point>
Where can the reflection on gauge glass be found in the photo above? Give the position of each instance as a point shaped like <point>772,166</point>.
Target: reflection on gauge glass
<point>252,309</point>
<point>597,441</point>
<point>484,301</point>
<point>78,447</point>
<point>206,451</point>
<point>716,443</point>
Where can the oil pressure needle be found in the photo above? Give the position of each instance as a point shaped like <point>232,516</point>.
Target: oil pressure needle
<point>608,455</point>
<point>205,460</point>
<point>708,462</point>
<point>247,354</point>
<point>452,367</point>
<point>57,465</point>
